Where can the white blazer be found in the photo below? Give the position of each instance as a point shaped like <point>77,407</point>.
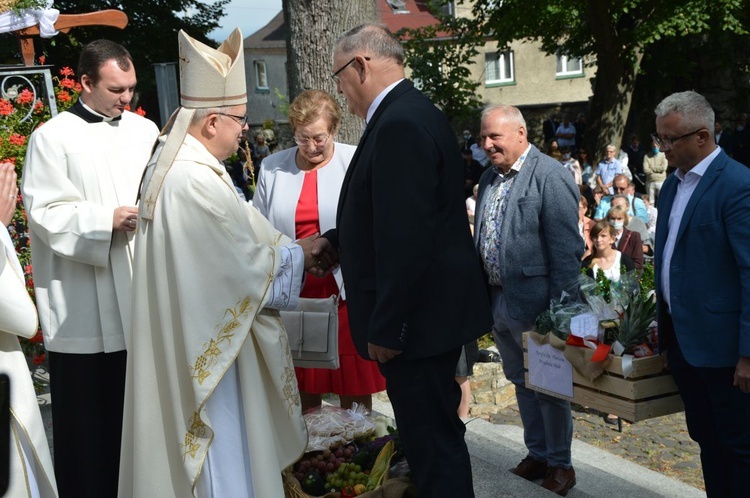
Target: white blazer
<point>280,185</point>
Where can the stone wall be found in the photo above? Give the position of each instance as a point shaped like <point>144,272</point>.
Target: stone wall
<point>490,390</point>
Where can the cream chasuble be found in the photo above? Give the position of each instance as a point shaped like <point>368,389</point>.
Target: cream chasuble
<point>31,472</point>
<point>203,278</point>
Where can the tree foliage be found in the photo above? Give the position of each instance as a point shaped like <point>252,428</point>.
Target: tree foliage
<point>150,36</point>
<point>614,34</point>
<point>440,57</point>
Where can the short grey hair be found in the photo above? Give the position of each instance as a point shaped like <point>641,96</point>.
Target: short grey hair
<point>203,112</point>
<point>620,196</point>
<point>372,39</point>
<point>509,113</point>
<point>695,110</point>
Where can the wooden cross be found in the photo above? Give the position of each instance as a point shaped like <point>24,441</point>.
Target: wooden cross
<point>111,17</point>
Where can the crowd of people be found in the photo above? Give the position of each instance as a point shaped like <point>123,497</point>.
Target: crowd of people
<point>170,368</point>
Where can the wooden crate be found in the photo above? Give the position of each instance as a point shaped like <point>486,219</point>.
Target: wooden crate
<point>648,392</point>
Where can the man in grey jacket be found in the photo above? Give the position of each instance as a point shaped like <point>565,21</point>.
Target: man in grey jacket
<point>527,236</point>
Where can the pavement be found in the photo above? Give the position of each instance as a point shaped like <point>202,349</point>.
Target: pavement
<point>496,445</point>
<point>495,448</point>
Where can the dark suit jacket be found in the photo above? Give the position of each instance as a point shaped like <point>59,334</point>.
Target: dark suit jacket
<point>709,274</point>
<point>412,278</point>
<point>540,245</point>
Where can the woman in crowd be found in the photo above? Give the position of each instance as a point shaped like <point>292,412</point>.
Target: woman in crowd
<point>553,150</point>
<point>31,473</point>
<point>598,193</point>
<point>627,241</point>
<point>298,191</point>
<point>585,224</point>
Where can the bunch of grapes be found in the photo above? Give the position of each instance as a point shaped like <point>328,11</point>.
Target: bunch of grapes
<point>348,474</point>
<point>325,462</point>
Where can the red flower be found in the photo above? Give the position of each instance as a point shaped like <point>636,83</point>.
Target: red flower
<point>17,139</point>
<point>27,269</point>
<point>42,59</point>
<point>67,83</point>
<point>25,97</point>
<point>38,360</point>
<point>127,107</point>
<point>78,88</point>
<point>140,111</point>
<point>66,71</point>
<point>37,339</point>
<point>38,106</point>
<point>6,108</point>
<point>63,96</point>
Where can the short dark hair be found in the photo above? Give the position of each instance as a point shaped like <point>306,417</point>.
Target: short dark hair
<point>95,54</point>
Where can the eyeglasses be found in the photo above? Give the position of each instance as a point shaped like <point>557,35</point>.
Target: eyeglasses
<point>336,72</point>
<point>319,140</point>
<point>242,120</point>
<point>663,142</point>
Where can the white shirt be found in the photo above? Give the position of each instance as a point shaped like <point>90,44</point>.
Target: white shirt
<point>375,103</point>
<point>685,189</point>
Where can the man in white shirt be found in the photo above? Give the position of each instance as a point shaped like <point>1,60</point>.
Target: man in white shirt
<point>702,260</point>
<point>80,184</point>
<point>607,169</point>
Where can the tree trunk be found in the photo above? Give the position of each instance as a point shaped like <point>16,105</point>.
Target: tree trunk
<point>610,105</point>
<point>312,29</point>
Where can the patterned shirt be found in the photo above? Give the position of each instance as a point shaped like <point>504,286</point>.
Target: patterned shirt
<point>494,205</point>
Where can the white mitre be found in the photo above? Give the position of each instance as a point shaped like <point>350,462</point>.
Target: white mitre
<point>209,77</point>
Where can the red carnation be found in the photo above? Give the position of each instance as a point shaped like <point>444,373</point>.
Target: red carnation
<point>38,360</point>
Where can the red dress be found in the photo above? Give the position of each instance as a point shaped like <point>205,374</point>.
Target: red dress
<point>355,376</point>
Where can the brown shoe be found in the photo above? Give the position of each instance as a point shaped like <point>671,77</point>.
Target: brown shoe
<point>530,469</point>
<point>559,480</point>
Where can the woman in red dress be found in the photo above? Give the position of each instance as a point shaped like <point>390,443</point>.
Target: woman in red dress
<point>298,192</point>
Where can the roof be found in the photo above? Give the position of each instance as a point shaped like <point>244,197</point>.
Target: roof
<point>273,34</point>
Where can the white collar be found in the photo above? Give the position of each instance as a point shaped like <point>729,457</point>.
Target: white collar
<point>379,99</point>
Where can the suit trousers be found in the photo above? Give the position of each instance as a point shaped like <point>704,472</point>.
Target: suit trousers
<point>87,392</point>
<point>547,421</point>
<point>718,419</point>
<point>425,398</point>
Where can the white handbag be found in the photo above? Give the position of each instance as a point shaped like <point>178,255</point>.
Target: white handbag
<point>17,311</point>
<point>313,331</point>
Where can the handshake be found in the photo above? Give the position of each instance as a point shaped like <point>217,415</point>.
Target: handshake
<point>320,255</point>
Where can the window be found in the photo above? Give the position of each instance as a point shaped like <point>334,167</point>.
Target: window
<point>261,75</point>
<point>569,66</point>
<point>398,6</point>
<point>498,67</point>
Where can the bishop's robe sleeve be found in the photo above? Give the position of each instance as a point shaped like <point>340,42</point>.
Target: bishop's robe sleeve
<point>59,214</point>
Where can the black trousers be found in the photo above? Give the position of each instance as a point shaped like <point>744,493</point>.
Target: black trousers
<point>87,393</point>
<point>425,398</point>
<point>718,419</point>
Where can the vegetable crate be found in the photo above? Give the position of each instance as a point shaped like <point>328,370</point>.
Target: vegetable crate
<point>648,392</point>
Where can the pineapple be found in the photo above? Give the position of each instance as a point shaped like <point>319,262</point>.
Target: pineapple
<point>638,314</point>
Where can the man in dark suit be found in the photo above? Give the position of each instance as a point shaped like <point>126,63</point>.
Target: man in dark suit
<point>722,137</point>
<point>413,282</point>
<point>702,259</point>
<point>526,232</point>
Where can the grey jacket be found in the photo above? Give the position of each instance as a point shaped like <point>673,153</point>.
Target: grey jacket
<point>540,246</point>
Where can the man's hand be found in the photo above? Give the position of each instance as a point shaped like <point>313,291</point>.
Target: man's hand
<point>742,374</point>
<point>326,257</point>
<point>8,193</point>
<point>124,218</point>
<point>317,261</point>
<point>381,354</point>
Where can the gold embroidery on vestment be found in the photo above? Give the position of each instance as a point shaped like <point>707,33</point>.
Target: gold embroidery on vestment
<point>210,357</point>
<point>196,431</point>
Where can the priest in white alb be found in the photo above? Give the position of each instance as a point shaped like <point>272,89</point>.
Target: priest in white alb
<point>212,407</point>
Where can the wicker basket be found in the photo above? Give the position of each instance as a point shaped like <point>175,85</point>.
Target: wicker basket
<point>387,488</point>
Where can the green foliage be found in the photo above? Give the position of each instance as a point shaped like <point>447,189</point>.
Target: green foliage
<point>150,36</point>
<point>440,57</point>
<point>283,101</point>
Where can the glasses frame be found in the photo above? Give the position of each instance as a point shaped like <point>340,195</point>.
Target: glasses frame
<point>302,142</point>
<point>664,143</point>
<point>335,74</point>
<point>242,120</point>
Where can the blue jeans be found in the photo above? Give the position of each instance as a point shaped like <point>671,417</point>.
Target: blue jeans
<point>547,421</point>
